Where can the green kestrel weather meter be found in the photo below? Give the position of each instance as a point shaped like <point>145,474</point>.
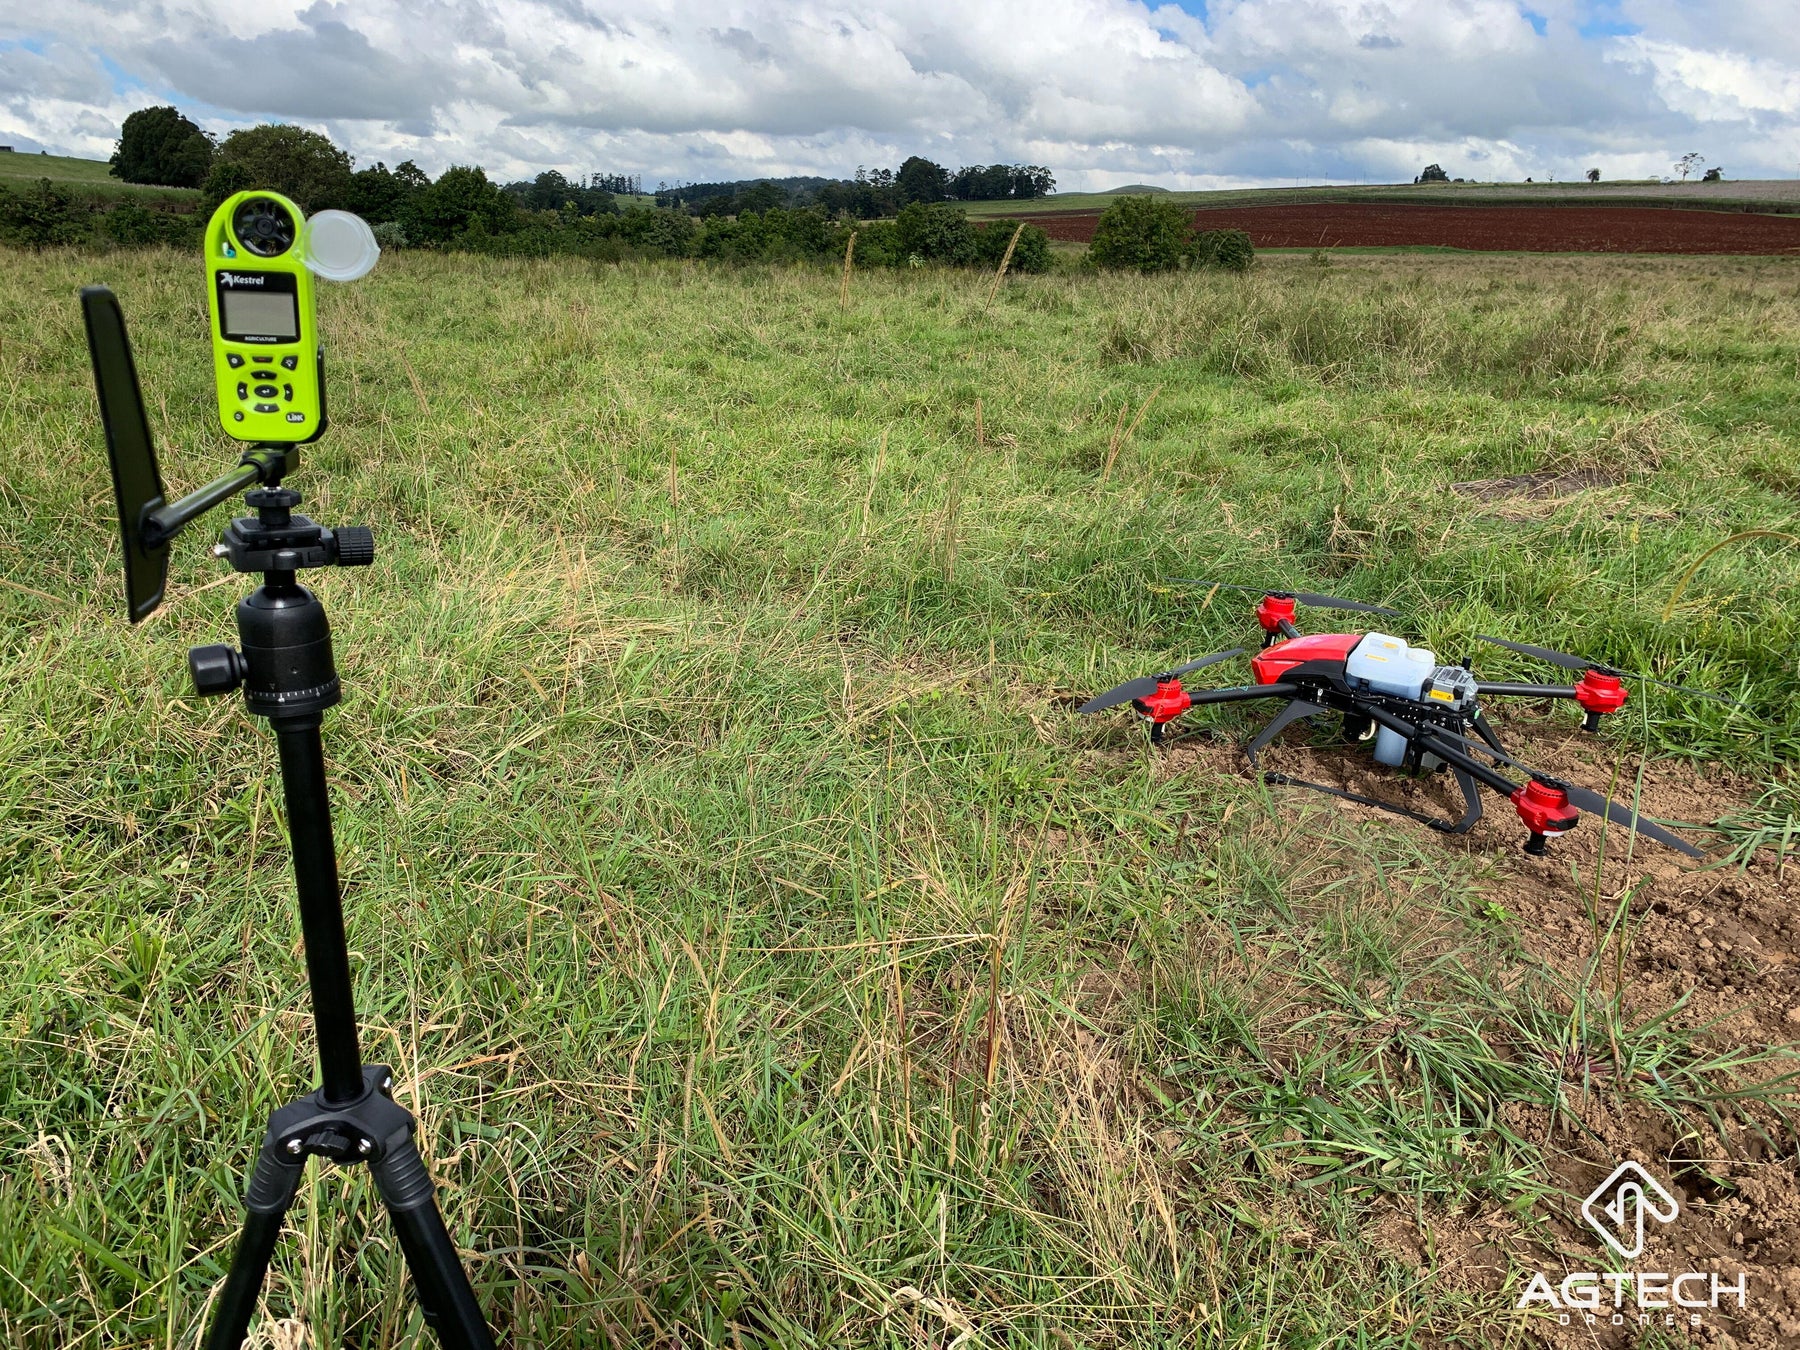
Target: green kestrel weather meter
<point>268,363</point>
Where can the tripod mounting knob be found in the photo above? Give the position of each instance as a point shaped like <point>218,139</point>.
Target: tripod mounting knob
<point>215,670</point>
<point>355,545</point>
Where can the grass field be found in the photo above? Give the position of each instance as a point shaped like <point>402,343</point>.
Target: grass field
<point>770,953</point>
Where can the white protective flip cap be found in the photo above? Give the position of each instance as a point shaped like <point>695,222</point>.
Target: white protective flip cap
<point>339,246</point>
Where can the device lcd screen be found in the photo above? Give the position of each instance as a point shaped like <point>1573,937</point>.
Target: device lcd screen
<point>259,314</point>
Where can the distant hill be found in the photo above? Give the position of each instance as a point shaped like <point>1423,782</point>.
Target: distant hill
<point>1774,196</point>
<point>1131,189</point>
<point>90,176</point>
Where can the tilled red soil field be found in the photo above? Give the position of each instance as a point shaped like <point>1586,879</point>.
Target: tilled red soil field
<point>1530,229</point>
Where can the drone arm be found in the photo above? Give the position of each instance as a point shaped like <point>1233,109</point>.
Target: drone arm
<point>1525,690</point>
<point>1598,692</point>
<point>263,464</point>
<point>1240,695</point>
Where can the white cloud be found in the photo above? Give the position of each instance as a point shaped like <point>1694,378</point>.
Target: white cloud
<point>1715,86</point>
<point>1101,90</point>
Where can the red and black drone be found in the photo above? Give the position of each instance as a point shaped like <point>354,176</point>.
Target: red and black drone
<point>1417,712</point>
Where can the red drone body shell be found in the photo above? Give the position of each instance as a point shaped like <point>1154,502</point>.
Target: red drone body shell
<point>1273,662</point>
<point>1599,693</point>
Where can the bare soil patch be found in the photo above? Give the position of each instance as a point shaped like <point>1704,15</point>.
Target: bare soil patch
<point>1529,229</point>
<point>1547,485</point>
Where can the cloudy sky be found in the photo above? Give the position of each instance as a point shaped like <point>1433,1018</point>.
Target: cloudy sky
<point>1192,94</point>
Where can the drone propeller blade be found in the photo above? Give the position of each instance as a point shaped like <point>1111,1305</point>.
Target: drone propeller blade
<point>1555,658</point>
<point>1591,801</point>
<point>1145,685</point>
<point>1585,799</point>
<point>1223,585</point>
<point>1568,662</point>
<point>1121,693</point>
<point>1682,688</point>
<point>1304,597</point>
<point>1203,662</point>
<point>1332,602</point>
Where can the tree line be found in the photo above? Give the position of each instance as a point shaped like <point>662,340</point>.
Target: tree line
<point>905,217</point>
<point>870,194</point>
<point>162,146</point>
<point>463,209</point>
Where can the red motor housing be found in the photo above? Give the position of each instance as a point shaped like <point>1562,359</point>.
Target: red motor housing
<point>1272,609</point>
<point>1598,694</point>
<point>1546,811</point>
<point>1168,702</point>
<point>1274,661</point>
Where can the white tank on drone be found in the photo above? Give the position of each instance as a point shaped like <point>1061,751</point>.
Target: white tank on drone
<point>1387,665</point>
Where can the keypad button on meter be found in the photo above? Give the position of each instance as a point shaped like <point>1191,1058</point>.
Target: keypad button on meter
<point>290,363</point>
<point>268,407</point>
<point>266,391</point>
<point>233,360</point>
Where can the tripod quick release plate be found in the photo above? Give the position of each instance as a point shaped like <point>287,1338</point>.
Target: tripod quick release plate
<point>282,542</point>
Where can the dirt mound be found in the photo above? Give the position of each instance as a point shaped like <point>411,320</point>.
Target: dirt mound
<point>1529,229</point>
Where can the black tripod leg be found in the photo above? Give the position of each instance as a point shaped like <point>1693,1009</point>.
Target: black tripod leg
<point>444,1293</point>
<point>273,1183</point>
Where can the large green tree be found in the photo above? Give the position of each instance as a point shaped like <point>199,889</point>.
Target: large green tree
<point>1145,233</point>
<point>380,194</point>
<point>293,161</point>
<point>159,145</point>
<point>461,201</point>
<point>919,180</point>
<point>936,232</point>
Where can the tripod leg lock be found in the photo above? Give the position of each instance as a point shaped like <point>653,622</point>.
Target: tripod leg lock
<point>403,1179</point>
<point>273,1181</point>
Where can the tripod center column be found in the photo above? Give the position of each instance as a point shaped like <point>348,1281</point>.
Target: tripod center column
<point>290,678</point>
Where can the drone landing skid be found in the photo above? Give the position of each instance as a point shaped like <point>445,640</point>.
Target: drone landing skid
<point>1300,709</point>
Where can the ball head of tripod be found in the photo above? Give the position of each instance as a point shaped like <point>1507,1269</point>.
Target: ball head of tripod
<point>285,666</point>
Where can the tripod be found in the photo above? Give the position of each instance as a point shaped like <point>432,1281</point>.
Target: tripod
<point>286,671</point>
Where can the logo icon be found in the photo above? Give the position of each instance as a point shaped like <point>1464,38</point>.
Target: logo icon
<point>1616,1208</point>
